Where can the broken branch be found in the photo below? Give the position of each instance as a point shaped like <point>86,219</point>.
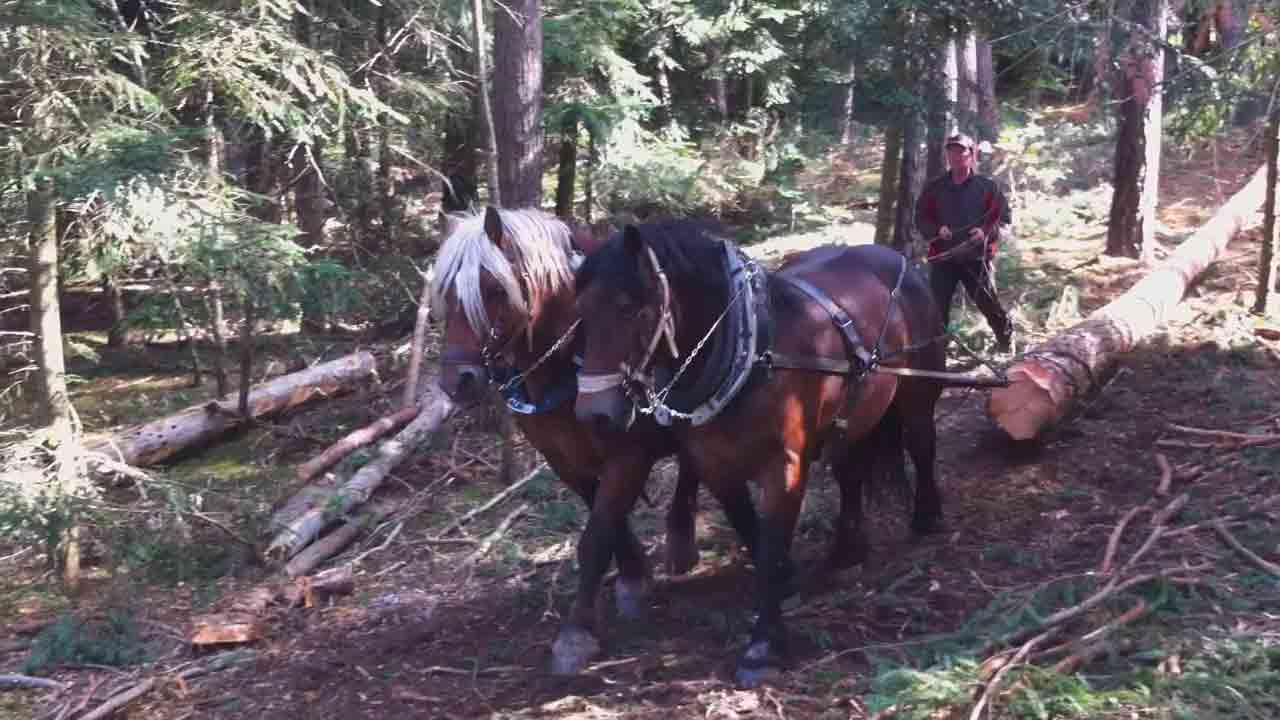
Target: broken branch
<point>1251,556</point>
<point>15,681</point>
<point>506,492</point>
<point>1113,543</point>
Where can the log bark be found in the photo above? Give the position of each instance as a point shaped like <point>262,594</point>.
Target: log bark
<point>437,408</point>
<point>1052,376</point>
<point>333,543</point>
<point>354,441</point>
<point>159,440</point>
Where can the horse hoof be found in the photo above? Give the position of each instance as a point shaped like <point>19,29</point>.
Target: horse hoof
<point>572,650</point>
<point>682,556</point>
<point>757,666</point>
<point>629,594</point>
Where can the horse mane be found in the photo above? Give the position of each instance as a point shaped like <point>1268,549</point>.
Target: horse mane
<point>687,249</point>
<point>537,248</point>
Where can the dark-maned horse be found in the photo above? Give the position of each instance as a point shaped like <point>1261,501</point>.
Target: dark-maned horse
<point>505,282</point>
<point>776,424</point>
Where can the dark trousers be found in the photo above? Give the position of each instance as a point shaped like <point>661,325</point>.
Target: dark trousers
<point>976,276</point>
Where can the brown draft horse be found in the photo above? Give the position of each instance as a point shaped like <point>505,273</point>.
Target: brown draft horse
<point>775,426</point>
<point>505,281</point>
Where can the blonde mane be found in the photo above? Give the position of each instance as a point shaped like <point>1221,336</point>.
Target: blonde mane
<point>537,247</point>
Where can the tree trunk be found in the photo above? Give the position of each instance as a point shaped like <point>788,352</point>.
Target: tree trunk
<point>518,90</point>
<point>489,138</point>
<point>1131,230</point>
<point>988,112</point>
<point>184,331</point>
<point>566,176</point>
<point>53,404</point>
<point>1268,267</point>
<point>589,182</point>
<point>217,326</point>
<point>845,105</point>
<point>967,82</point>
<point>160,440</point>
<point>717,92</point>
<point>118,335</point>
<point>909,181</point>
<point>1053,375</point>
<point>937,84</point>
<point>888,183</point>
<point>664,114</point>
<point>247,324</point>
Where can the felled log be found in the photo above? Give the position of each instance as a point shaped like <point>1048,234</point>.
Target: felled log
<point>1053,375</point>
<point>331,544</point>
<point>301,531</point>
<point>334,581</point>
<point>159,440</point>
<point>354,441</point>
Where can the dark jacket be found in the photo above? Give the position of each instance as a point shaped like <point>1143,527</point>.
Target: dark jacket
<point>976,202</point>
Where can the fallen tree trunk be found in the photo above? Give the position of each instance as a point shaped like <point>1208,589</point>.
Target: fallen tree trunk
<point>161,439</point>
<point>354,441</point>
<point>299,532</point>
<point>1051,376</point>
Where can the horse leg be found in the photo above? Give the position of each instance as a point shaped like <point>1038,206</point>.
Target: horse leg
<point>682,548</point>
<point>783,483</point>
<point>921,438</point>
<point>633,569</point>
<point>848,462</point>
<point>606,534</point>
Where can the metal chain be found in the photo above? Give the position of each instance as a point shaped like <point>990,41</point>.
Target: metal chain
<point>559,343</point>
<point>657,400</point>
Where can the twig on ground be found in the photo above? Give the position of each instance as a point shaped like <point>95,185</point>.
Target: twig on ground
<point>1251,556</point>
<point>1166,475</point>
<point>391,536</point>
<point>16,682</point>
<point>992,687</point>
<point>1084,646</point>
<point>1224,434</point>
<point>128,695</point>
<point>1114,542</point>
<point>509,490</point>
<point>496,535</point>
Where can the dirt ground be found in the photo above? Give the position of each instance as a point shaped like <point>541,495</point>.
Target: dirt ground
<point>429,635</point>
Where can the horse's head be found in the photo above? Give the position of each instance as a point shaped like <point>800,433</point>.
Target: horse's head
<point>625,303</point>
<point>495,275</point>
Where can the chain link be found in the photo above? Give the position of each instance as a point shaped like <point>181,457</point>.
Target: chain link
<point>657,400</point>
<point>559,343</point>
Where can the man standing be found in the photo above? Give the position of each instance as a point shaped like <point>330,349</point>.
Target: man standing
<point>961,213</point>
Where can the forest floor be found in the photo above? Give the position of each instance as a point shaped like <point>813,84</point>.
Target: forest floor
<point>429,634</point>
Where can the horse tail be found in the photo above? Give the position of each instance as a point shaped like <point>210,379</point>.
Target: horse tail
<point>888,474</point>
<point>874,464</point>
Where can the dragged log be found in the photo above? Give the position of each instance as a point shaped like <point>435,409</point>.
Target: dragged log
<point>1053,375</point>
<point>160,440</point>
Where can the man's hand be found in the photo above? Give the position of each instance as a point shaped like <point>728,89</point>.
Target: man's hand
<point>944,233</point>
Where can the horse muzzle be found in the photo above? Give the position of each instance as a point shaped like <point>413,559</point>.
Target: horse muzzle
<point>608,409</point>
<point>463,381</point>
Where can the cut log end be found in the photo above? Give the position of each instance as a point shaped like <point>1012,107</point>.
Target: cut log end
<point>226,629</point>
<point>1023,409</point>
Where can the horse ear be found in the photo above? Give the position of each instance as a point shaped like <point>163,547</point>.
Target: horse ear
<point>632,241</point>
<point>493,226</point>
